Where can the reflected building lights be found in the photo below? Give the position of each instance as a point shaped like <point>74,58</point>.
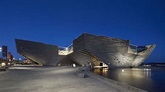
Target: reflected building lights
<point>147,73</point>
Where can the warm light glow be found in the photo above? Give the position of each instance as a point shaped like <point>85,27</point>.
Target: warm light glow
<point>8,63</point>
<point>103,65</point>
<point>122,70</point>
<point>3,64</point>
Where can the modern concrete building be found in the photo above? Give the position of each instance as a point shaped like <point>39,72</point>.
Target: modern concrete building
<point>41,53</point>
<point>87,49</point>
<point>114,52</point>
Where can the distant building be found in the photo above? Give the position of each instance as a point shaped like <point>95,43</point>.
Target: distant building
<point>4,51</point>
<point>9,56</point>
<point>87,49</point>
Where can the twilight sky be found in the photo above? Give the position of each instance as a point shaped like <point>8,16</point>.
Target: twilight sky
<point>58,22</point>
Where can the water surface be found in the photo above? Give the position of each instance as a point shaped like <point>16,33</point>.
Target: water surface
<point>149,79</point>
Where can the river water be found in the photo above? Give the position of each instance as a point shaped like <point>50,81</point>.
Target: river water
<point>149,79</point>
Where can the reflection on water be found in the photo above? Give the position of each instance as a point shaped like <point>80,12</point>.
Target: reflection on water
<point>150,79</point>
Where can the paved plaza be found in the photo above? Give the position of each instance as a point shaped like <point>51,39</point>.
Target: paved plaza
<point>50,79</point>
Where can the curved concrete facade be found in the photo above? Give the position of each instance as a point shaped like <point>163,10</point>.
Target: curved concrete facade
<point>114,52</point>
<point>87,49</point>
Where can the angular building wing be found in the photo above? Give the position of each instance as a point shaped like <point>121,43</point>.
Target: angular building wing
<point>114,52</point>
<point>87,49</point>
<point>41,53</point>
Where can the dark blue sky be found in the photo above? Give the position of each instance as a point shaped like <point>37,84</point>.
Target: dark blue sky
<point>58,22</point>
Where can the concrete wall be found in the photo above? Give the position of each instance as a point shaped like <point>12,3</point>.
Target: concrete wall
<point>86,49</point>
<point>112,51</point>
<point>107,49</point>
<point>43,54</point>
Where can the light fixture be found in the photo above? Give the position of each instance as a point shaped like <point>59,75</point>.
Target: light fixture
<point>3,64</point>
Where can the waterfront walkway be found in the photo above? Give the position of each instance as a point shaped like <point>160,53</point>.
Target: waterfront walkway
<point>52,79</point>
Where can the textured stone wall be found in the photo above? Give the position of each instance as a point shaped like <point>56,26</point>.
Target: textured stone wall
<point>112,51</point>
<point>105,48</point>
<point>87,49</point>
<point>79,43</point>
<point>43,54</point>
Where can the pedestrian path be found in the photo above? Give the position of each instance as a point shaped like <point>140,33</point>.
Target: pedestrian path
<point>52,79</point>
